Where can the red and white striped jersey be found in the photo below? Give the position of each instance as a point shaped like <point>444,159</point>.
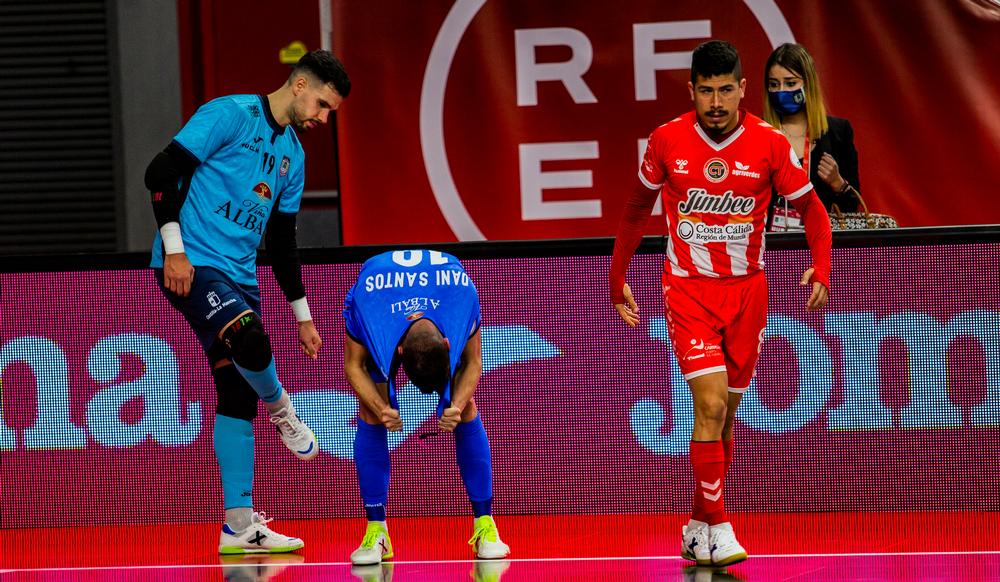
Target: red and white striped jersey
<point>715,195</point>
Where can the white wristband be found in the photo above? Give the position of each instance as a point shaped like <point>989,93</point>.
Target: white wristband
<point>300,307</point>
<point>172,243</point>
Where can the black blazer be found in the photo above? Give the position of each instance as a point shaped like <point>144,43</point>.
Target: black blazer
<point>839,143</point>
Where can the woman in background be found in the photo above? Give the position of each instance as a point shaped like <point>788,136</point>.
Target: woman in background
<point>793,103</point>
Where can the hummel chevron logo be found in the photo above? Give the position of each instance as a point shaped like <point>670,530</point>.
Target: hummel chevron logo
<point>717,487</point>
<point>258,539</point>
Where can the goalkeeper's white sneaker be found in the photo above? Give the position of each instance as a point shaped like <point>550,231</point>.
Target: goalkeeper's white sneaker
<point>295,434</point>
<point>695,546</point>
<point>257,538</point>
<point>725,549</point>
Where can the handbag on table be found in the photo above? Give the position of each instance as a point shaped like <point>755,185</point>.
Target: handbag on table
<point>859,220</point>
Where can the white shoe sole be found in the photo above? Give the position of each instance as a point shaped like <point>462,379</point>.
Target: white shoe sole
<point>230,550</point>
<point>492,553</point>
<point>368,561</point>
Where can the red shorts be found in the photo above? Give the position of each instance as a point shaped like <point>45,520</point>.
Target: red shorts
<point>717,325</point>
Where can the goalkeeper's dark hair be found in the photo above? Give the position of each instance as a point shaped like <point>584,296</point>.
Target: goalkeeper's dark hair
<point>325,67</point>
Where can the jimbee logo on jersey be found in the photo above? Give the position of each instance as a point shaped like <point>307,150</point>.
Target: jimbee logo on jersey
<point>263,191</point>
<point>283,169</point>
<point>716,170</point>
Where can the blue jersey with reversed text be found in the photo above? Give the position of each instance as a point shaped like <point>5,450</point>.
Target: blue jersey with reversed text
<point>250,166</point>
<point>396,288</point>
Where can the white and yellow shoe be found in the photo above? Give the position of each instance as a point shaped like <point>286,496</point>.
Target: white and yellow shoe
<point>257,538</point>
<point>375,547</point>
<point>485,540</point>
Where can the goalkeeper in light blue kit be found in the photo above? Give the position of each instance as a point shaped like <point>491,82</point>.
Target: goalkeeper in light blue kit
<point>417,309</point>
<point>232,176</point>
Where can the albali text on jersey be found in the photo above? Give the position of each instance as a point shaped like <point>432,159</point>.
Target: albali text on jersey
<point>397,288</point>
<point>715,197</point>
<point>249,166</point>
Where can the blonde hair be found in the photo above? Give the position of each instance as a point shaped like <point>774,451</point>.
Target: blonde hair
<point>796,59</point>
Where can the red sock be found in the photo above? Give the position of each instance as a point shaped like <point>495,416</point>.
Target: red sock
<point>709,462</point>
<point>727,444</point>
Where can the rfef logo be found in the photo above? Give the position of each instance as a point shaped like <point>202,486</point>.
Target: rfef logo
<point>548,169</point>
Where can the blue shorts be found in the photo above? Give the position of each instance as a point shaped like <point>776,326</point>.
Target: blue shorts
<point>214,302</point>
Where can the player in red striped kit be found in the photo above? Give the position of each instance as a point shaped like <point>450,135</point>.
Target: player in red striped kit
<point>715,167</point>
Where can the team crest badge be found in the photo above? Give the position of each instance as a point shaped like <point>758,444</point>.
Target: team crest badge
<point>263,191</point>
<point>716,170</point>
<point>283,169</point>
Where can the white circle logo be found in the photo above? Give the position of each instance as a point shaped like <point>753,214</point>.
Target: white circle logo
<point>685,229</point>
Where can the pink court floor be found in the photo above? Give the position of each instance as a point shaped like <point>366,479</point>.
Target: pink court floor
<point>803,547</point>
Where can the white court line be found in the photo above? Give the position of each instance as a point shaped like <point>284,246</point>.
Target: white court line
<point>580,559</point>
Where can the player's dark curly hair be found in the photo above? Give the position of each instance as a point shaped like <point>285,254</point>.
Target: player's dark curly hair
<point>327,68</point>
<point>714,58</point>
<point>425,359</point>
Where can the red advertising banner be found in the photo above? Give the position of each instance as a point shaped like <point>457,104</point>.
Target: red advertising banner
<point>524,119</point>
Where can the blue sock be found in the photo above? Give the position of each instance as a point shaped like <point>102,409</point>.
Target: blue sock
<point>265,382</point>
<point>472,449</point>
<point>233,441</point>
<point>371,460</point>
